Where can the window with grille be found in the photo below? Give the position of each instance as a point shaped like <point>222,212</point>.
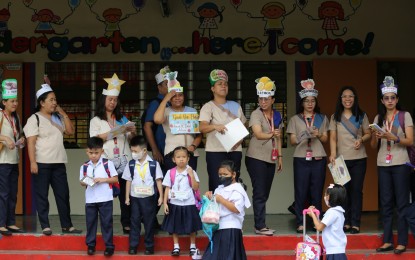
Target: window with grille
<point>79,84</point>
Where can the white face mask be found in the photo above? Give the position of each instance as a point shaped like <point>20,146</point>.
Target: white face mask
<point>326,200</point>
<point>137,156</point>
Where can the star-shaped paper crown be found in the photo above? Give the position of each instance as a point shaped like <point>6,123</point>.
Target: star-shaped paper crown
<point>308,90</point>
<point>216,75</point>
<point>172,82</point>
<point>389,86</point>
<point>265,87</point>
<point>114,86</point>
<point>9,88</point>
<point>161,76</point>
<point>45,87</point>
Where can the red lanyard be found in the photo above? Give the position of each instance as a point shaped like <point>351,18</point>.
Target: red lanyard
<point>389,126</point>
<point>271,125</point>
<point>309,123</point>
<point>11,121</point>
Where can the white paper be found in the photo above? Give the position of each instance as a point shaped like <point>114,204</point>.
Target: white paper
<point>306,134</point>
<point>377,128</point>
<point>88,180</point>
<point>339,171</point>
<point>119,130</point>
<point>19,143</point>
<point>236,131</point>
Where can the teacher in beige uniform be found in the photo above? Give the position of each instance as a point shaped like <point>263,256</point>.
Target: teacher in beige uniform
<point>308,131</point>
<point>44,132</point>
<point>349,129</point>
<point>392,172</point>
<point>264,151</point>
<point>214,115</point>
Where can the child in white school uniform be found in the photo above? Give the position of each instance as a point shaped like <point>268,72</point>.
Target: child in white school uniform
<point>182,216</point>
<point>232,199</point>
<point>334,238</point>
<point>143,176</point>
<point>98,195</point>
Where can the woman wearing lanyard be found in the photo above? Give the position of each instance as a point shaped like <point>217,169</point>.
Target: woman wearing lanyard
<point>214,115</point>
<point>264,151</point>
<point>393,174</point>
<point>349,129</point>
<point>162,116</point>
<point>308,130</point>
<point>12,139</point>
<point>108,116</point>
<point>44,132</point>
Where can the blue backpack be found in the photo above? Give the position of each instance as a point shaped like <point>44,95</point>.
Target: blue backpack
<point>153,167</point>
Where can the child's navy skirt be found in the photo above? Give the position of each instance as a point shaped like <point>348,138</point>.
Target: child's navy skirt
<point>182,220</point>
<point>336,257</point>
<point>227,245</point>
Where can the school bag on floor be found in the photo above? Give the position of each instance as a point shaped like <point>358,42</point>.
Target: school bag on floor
<point>308,250</point>
<point>114,186</point>
<point>196,193</point>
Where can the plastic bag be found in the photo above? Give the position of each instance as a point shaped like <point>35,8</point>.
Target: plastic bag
<point>208,228</point>
<point>211,214</point>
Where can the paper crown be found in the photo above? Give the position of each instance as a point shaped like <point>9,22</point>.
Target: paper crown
<point>44,87</point>
<point>308,90</point>
<point>389,86</point>
<point>9,88</point>
<point>216,75</point>
<point>114,86</point>
<point>161,76</point>
<point>265,87</point>
<point>172,82</point>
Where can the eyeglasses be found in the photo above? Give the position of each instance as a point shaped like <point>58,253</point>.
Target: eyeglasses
<point>391,98</point>
<point>347,96</point>
<point>264,99</point>
<point>312,101</point>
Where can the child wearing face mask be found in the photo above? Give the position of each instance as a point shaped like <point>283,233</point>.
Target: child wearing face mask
<point>181,216</point>
<point>232,199</point>
<point>144,179</point>
<point>334,238</point>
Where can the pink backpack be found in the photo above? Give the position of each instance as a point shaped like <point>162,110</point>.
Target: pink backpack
<point>196,193</point>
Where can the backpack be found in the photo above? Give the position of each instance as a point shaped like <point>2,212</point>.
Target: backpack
<point>153,167</point>
<point>114,186</point>
<point>410,149</point>
<point>196,193</point>
<point>143,120</point>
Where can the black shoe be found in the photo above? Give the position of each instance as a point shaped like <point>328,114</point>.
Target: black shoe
<point>125,230</point>
<point>399,251</point>
<point>6,233</point>
<point>47,232</point>
<point>347,229</point>
<point>175,252</point>
<point>149,251</point>
<point>109,251</point>
<point>132,251</point>
<point>71,230</point>
<point>354,231</point>
<point>91,250</point>
<point>384,249</point>
<point>16,230</point>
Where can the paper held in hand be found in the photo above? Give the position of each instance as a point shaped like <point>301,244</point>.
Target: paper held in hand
<point>119,130</point>
<point>339,171</point>
<point>236,131</point>
<point>377,128</point>
<point>88,180</point>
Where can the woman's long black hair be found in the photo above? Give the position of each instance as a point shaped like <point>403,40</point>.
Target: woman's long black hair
<point>357,112</point>
<point>102,113</point>
<point>382,111</point>
<point>14,114</point>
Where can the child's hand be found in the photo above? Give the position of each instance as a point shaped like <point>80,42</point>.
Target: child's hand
<point>209,194</point>
<point>190,171</point>
<point>100,180</point>
<point>160,201</point>
<point>166,209</point>
<point>310,211</point>
<point>127,201</point>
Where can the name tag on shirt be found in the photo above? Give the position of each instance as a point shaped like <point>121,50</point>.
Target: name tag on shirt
<point>179,195</point>
<point>143,190</point>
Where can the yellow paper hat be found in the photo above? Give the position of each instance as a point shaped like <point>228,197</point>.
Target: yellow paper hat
<point>114,86</point>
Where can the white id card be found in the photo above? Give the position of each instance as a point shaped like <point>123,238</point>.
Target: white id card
<point>143,190</point>
<point>88,180</point>
<point>179,195</point>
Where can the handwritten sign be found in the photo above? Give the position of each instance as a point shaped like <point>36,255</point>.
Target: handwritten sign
<point>184,123</point>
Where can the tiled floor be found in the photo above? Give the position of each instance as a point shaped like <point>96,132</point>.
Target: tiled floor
<point>283,224</point>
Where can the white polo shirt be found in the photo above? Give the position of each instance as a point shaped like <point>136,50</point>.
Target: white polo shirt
<point>334,238</point>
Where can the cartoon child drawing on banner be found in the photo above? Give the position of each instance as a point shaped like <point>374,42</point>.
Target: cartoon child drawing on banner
<point>208,13</point>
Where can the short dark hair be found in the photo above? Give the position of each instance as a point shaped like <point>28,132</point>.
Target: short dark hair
<point>338,196</point>
<point>138,140</point>
<point>95,143</point>
<point>181,148</point>
<point>40,99</point>
<point>229,165</point>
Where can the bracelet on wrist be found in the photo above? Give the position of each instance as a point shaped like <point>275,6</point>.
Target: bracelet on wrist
<point>397,140</point>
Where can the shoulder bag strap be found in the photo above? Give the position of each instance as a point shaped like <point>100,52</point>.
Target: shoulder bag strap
<point>226,111</point>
